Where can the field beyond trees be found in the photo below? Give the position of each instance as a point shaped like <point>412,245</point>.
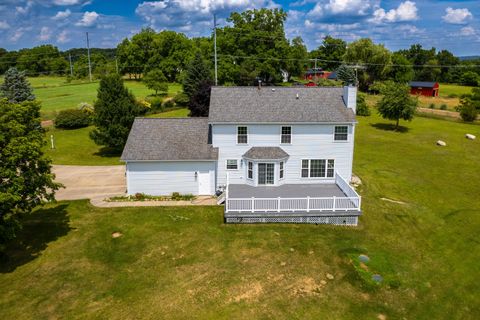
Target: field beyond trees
<point>419,228</point>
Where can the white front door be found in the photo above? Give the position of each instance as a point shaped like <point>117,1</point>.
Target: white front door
<point>204,182</point>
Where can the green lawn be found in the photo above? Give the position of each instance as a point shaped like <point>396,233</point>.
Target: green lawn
<point>453,89</point>
<point>185,263</point>
<point>74,147</point>
<point>56,94</point>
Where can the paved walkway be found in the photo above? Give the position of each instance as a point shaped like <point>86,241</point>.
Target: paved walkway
<point>86,182</point>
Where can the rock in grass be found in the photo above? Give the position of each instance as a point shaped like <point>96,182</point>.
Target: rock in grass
<point>363,258</point>
<point>470,136</point>
<point>330,276</point>
<point>441,143</point>
<point>377,278</point>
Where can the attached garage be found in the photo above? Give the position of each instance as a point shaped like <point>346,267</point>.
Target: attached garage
<point>163,156</point>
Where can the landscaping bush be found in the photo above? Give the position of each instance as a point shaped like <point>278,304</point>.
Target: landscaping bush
<point>156,105</point>
<point>362,107</point>
<point>168,104</point>
<point>468,112</point>
<point>443,107</point>
<point>72,119</point>
<point>181,99</point>
<point>432,106</point>
<point>86,107</point>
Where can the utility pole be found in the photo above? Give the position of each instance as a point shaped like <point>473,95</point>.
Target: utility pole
<point>315,70</point>
<point>215,46</point>
<point>89,63</point>
<point>71,67</point>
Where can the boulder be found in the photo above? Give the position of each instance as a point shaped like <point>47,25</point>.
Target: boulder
<point>470,136</point>
<point>441,143</point>
<point>355,181</point>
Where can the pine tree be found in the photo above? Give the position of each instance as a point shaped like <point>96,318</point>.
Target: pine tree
<point>15,87</point>
<point>347,75</point>
<point>115,110</point>
<point>197,86</point>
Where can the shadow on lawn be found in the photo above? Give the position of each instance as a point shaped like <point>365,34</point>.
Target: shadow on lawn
<point>390,127</point>
<point>107,152</point>
<point>39,228</point>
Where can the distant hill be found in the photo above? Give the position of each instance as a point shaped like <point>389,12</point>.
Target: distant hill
<point>465,58</point>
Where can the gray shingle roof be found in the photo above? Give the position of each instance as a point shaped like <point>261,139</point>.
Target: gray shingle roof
<point>423,84</point>
<point>278,104</point>
<point>169,139</point>
<point>265,153</point>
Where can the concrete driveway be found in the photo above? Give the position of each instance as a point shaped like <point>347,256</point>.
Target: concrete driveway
<point>87,182</point>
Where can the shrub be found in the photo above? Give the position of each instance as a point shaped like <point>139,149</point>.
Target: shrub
<point>443,107</point>
<point>468,112</point>
<point>432,106</point>
<point>72,119</point>
<point>181,99</point>
<point>139,196</point>
<point>168,104</point>
<point>86,107</point>
<point>362,107</point>
<point>156,105</point>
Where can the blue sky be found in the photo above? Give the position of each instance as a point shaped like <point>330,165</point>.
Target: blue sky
<point>452,25</point>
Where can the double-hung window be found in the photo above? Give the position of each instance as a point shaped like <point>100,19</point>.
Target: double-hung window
<point>318,168</point>
<point>242,135</point>
<point>286,135</point>
<point>282,170</point>
<point>232,164</point>
<point>341,133</point>
<point>250,170</point>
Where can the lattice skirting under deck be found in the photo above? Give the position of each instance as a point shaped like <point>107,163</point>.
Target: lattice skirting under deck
<point>343,221</point>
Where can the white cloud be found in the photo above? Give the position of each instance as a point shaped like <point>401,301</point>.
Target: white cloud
<point>4,25</point>
<point>193,16</point>
<point>17,34</point>
<point>406,11</point>
<point>457,16</point>
<point>342,7</point>
<point>468,31</point>
<point>331,27</point>
<point>66,2</point>
<point>89,19</point>
<point>63,37</point>
<point>45,34</point>
<point>61,15</point>
<point>24,10</point>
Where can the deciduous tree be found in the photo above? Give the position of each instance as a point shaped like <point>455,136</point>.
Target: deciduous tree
<point>25,173</point>
<point>155,80</point>
<point>397,103</point>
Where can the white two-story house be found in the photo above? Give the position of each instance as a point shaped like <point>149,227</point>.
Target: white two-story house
<point>276,154</point>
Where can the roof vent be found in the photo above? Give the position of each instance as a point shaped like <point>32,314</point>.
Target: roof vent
<point>297,96</point>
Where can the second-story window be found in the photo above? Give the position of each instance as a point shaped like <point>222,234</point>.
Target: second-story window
<point>242,135</point>
<point>341,133</point>
<point>286,135</point>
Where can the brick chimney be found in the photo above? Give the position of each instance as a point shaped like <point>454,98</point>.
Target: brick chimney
<point>350,97</point>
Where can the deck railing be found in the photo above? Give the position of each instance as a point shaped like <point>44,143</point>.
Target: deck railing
<point>351,202</point>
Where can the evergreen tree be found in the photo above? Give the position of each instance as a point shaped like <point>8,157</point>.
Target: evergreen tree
<point>200,101</point>
<point>397,103</point>
<point>197,72</point>
<point>346,74</point>
<point>25,173</point>
<point>15,87</point>
<point>115,110</point>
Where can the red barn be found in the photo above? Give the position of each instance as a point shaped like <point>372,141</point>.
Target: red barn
<point>428,89</point>
<point>316,73</point>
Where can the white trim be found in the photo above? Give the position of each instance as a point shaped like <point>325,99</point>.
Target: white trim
<point>281,123</point>
<point>191,160</point>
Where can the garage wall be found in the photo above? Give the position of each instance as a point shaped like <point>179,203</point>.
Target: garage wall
<point>165,177</point>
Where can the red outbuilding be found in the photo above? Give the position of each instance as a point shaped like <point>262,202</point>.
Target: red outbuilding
<point>428,89</point>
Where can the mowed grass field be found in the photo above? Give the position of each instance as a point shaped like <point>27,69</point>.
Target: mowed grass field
<point>56,94</point>
<point>74,147</point>
<point>419,228</point>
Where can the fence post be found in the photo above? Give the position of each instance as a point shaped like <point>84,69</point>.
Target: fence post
<point>278,204</point>
<point>253,204</point>
<point>334,200</point>
<point>308,203</point>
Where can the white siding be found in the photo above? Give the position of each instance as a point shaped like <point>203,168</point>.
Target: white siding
<point>309,141</point>
<point>165,177</point>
